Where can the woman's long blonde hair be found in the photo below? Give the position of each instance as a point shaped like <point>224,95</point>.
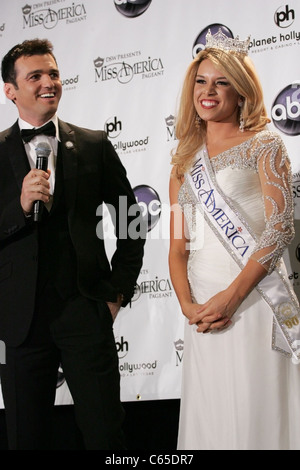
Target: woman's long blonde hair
<point>240,72</point>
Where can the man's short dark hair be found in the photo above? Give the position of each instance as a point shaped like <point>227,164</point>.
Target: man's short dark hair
<point>27,48</point>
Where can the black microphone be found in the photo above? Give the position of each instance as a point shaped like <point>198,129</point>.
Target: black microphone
<point>43,151</point>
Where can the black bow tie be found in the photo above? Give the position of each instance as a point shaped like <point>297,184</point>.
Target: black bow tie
<point>47,129</point>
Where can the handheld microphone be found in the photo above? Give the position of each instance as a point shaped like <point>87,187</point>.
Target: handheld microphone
<point>43,151</point>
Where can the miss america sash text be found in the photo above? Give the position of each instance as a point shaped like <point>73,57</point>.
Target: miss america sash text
<point>235,234</point>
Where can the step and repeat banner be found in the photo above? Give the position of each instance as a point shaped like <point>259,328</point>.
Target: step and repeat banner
<point>122,64</point>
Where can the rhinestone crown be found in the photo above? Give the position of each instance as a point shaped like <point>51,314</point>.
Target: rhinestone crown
<point>223,42</point>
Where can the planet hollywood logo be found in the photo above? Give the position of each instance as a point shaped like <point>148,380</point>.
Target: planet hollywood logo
<point>70,83</point>
<point>113,127</point>
<point>120,69</point>
<point>200,41</point>
<point>139,368</point>
<point>286,110</point>
<point>40,14</point>
<point>122,347</point>
<point>284,16</point>
<point>132,8</point>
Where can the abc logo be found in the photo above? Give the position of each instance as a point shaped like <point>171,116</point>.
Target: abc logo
<point>132,8</point>
<point>200,42</point>
<point>286,110</point>
<point>149,202</point>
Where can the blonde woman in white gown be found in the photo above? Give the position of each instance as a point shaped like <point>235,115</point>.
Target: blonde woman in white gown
<point>238,393</point>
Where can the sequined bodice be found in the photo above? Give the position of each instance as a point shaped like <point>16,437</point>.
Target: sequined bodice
<point>256,176</point>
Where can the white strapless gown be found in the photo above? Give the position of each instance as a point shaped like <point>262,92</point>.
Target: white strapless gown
<point>237,393</point>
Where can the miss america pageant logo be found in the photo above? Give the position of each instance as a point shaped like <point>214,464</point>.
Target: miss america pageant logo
<point>42,14</point>
<point>119,68</point>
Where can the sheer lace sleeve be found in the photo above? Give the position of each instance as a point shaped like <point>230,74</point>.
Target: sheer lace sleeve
<point>276,182</point>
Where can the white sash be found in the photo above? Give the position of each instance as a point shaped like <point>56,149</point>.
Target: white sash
<point>234,233</point>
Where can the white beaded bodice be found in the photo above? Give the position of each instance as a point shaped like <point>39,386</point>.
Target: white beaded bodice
<point>257,178</point>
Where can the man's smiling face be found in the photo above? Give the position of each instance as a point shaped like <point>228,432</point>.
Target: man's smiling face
<point>39,88</point>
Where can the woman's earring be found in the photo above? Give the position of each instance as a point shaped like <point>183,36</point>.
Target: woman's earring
<point>198,122</point>
<point>242,122</point>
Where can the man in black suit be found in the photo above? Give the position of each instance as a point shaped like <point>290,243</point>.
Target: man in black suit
<point>59,294</point>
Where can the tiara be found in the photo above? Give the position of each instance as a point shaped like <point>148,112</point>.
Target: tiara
<point>223,42</point>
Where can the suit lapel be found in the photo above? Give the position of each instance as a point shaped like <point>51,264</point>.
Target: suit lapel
<point>59,183</point>
<point>68,153</point>
<point>17,154</point>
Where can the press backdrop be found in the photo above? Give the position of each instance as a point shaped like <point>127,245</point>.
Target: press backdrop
<point>122,64</point>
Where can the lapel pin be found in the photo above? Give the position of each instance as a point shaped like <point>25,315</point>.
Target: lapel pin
<point>69,144</point>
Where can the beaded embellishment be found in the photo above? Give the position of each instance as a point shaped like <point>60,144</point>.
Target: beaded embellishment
<point>266,155</point>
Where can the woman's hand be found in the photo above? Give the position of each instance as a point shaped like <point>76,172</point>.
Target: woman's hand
<point>216,313</point>
<point>196,314</point>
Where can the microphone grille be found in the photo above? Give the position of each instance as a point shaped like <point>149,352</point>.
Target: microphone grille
<point>43,149</point>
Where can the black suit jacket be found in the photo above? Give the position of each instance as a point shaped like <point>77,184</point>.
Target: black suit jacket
<point>93,174</point>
